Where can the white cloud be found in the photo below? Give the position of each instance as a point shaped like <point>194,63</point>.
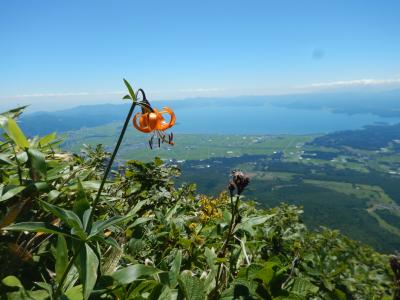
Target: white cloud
<point>353,83</point>
<point>118,93</point>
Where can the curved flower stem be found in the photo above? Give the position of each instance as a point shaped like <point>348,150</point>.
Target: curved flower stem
<point>96,200</point>
<point>103,181</point>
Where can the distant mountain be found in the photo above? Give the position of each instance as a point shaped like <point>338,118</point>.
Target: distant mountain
<point>382,103</point>
<point>370,138</point>
<point>71,119</point>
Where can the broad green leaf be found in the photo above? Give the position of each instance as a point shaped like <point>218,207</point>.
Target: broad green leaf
<point>303,287</point>
<point>139,221</point>
<point>130,89</point>
<point>85,219</point>
<point>47,139</point>
<point>67,216</point>
<point>91,184</point>
<point>37,161</point>
<point>243,289</point>
<point>5,159</point>
<point>12,192</point>
<point>72,278</point>
<point>46,286</point>
<point>99,226</point>
<point>81,203</point>
<point>53,195</point>
<point>192,287</point>
<point>254,221</point>
<point>37,295</point>
<point>61,258</point>
<point>175,269</point>
<point>88,264</point>
<point>168,294</point>
<point>36,227</point>
<point>145,286</point>
<point>12,281</point>
<point>13,113</point>
<point>267,273</point>
<point>132,273</point>
<point>106,240</point>
<point>211,258</point>
<point>156,292</point>
<point>15,133</point>
<point>340,295</point>
<point>75,293</point>
<point>137,207</point>
<point>328,284</point>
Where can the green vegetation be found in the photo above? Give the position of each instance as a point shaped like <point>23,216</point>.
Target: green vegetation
<point>187,146</point>
<point>343,174</point>
<point>147,238</point>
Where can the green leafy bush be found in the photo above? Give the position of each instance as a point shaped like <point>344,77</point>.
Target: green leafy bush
<point>148,239</point>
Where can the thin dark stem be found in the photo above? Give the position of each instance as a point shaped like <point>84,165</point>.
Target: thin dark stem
<point>96,200</point>
<point>232,224</point>
<point>109,166</point>
<point>234,207</point>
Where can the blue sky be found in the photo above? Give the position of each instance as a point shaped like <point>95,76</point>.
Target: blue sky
<point>55,54</point>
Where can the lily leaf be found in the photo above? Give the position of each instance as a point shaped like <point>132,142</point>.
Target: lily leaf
<point>130,89</point>
<point>37,161</point>
<point>67,216</point>
<point>36,227</point>
<point>14,132</point>
<point>47,139</point>
<point>61,258</point>
<point>99,226</point>
<point>88,264</point>
<point>132,273</point>
<point>81,203</point>
<point>175,269</point>
<point>12,192</point>
<point>5,159</point>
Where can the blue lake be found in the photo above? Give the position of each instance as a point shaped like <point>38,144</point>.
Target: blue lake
<point>269,119</point>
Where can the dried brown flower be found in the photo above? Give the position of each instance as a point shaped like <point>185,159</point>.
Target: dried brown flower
<point>239,181</point>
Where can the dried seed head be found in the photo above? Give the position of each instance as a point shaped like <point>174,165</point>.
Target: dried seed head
<point>239,180</point>
<point>231,188</point>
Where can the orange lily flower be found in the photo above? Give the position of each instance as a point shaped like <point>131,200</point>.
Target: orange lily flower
<point>152,120</point>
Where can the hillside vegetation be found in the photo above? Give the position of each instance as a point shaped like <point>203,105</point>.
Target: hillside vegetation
<point>148,239</point>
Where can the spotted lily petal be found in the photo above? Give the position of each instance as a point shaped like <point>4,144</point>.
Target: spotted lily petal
<point>143,126</point>
<point>164,125</point>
